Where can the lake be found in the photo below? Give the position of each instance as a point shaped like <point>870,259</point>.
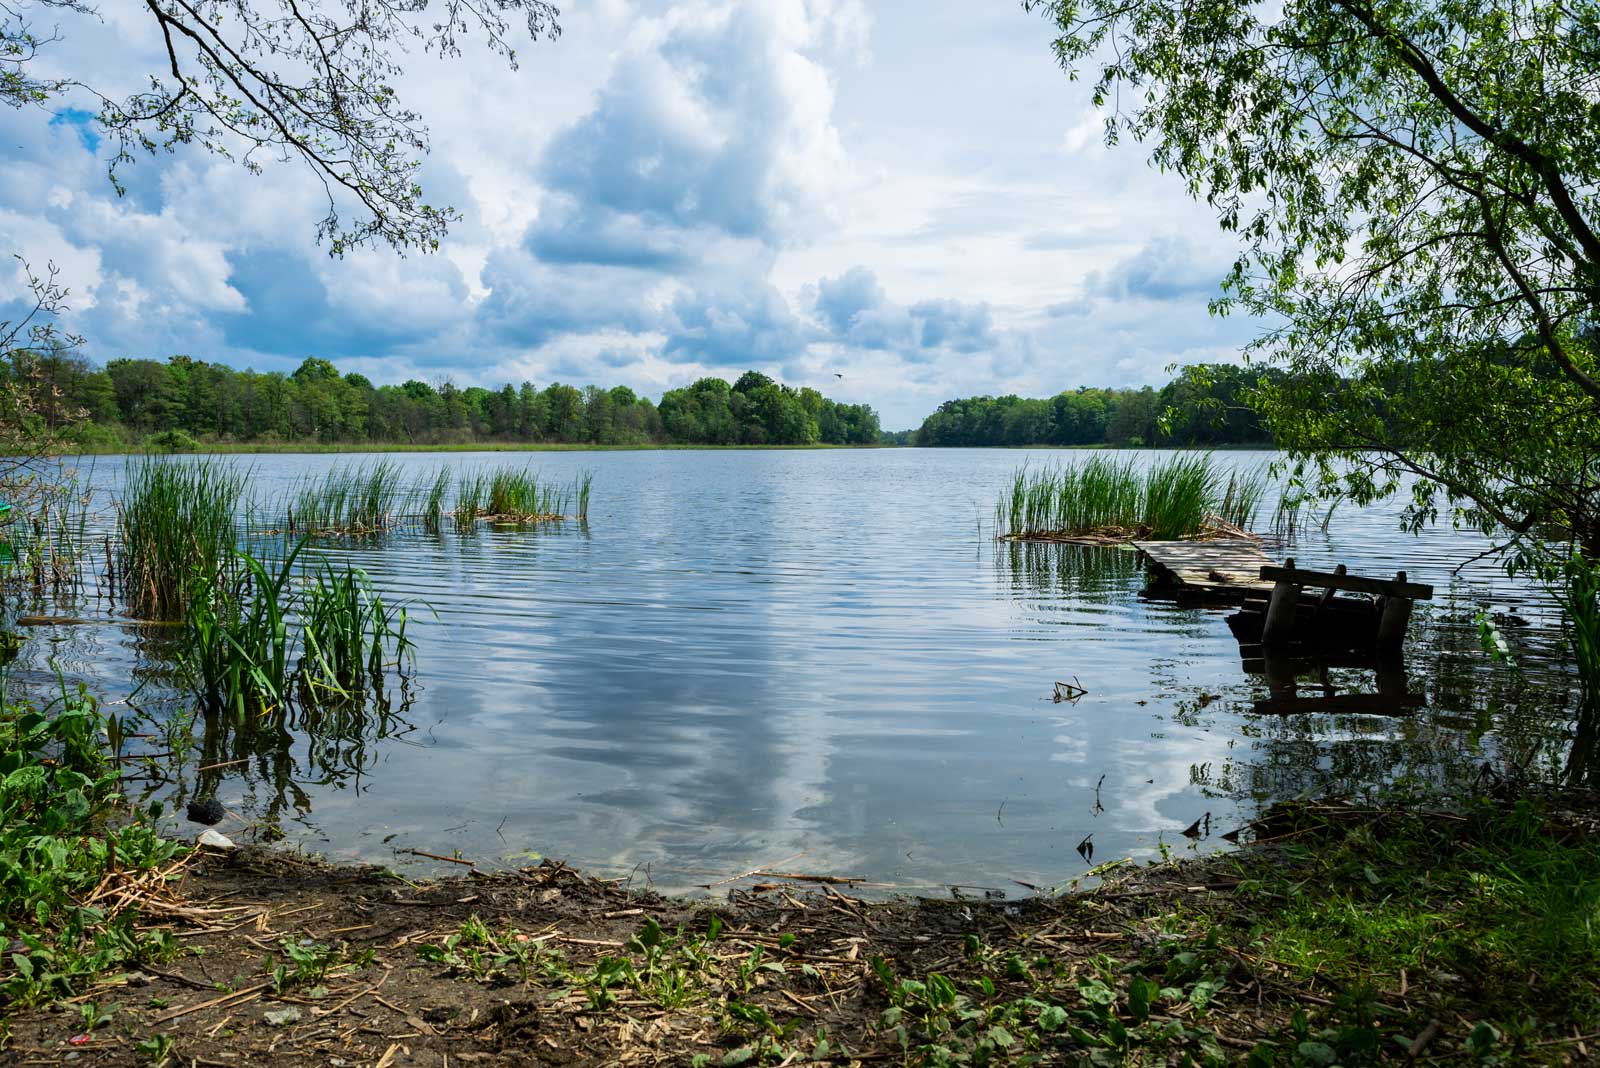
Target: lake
<point>822,661</point>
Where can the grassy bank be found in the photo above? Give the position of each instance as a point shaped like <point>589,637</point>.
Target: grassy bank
<point>1345,936</point>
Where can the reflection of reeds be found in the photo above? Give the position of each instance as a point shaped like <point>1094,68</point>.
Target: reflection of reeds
<point>1040,567</point>
<point>1108,496</point>
<point>176,520</point>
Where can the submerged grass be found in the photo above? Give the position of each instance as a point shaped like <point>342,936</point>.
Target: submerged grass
<point>1175,497</point>
<point>177,518</point>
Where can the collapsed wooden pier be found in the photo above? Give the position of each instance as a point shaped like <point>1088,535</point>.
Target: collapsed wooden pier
<point>1282,606</point>
<point>1292,623</point>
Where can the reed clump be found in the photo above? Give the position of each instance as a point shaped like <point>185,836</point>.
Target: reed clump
<point>43,543</point>
<point>363,498</point>
<point>504,495</point>
<point>177,518</point>
<point>261,644</point>
<point>1106,498</point>
<point>431,493</point>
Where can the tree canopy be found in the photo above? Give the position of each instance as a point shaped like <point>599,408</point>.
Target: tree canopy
<point>131,400</point>
<point>1413,185</point>
<point>1203,405</point>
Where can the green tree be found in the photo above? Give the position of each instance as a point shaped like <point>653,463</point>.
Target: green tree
<point>1414,187</point>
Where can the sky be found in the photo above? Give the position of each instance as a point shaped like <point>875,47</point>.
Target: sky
<point>908,194</point>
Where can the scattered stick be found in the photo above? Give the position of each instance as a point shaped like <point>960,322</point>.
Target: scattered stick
<point>247,994</point>
<point>1420,1043</point>
<point>1069,691</point>
<point>828,880</point>
<point>436,856</point>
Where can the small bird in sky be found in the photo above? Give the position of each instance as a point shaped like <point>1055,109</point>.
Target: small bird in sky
<point>836,374</point>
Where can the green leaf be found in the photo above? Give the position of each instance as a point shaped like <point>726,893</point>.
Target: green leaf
<point>1052,1018</point>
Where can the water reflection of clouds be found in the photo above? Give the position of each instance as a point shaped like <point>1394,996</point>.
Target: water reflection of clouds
<point>750,655</point>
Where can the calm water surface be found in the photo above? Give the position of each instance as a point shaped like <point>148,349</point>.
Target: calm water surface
<point>822,661</point>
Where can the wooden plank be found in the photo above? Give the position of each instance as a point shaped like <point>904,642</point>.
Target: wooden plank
<point>1230,567</point>
<point>1416,591</point>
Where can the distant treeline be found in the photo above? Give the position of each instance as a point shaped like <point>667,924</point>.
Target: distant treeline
<point>130,401</point>
<point>1204,405</point>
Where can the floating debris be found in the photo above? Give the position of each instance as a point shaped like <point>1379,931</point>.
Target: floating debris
<point>1069,691</point>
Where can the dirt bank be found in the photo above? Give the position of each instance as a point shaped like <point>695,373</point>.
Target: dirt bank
<point>285,961</point>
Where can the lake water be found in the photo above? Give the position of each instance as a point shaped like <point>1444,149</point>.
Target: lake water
<point>823,661</point>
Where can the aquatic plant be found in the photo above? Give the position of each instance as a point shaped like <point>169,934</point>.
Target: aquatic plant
<point>508,495</point>
<point>431,494</point>
<point>585,481</point>
<point>355,499</point>
<point>258,642</point>
<point>1242,500</point>
<point>1180,493</point>
<point>1103,495</point>
<point>237,643</point>
<point>176,519</point>
<point>472,490</point>
<point>520,495</point>
<point>347,635</point>
<point>43,545</point>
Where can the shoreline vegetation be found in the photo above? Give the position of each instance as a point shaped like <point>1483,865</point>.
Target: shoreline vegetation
<point>189,405</point>
<point>1338,933</point>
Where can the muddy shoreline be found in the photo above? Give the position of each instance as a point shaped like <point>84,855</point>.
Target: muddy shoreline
<point>279,959</point>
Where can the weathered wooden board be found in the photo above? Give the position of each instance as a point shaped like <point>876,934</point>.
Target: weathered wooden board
<point>1224,569</point>
<point>1418,591</point>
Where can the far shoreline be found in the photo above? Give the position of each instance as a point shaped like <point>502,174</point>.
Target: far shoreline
<point>356,448</point>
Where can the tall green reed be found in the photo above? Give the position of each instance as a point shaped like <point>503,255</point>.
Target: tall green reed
<point>1174,497</point>
<point>44,544</point>
<point>431,493</point>
<point>348,499</point>
<point>238,648</point>
<point>262,644</point>
<point>472,492</point>
<point>347,635</point>
<point>1180,493</point>
<point>176,518</point>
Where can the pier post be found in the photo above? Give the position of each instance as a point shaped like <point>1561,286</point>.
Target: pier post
<point>1396,615</point>
<point>1279,624</point>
